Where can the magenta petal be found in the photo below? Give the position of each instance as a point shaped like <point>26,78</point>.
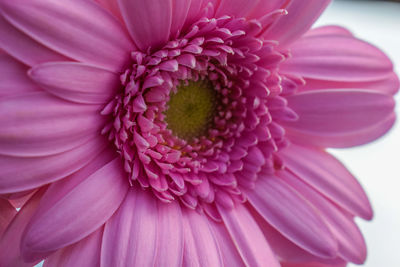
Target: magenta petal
<point>111,6</point>
<point>130,236</point>
<point>10,253</point>
<point>8,212</point>
<point>139,233</point>
<point>349,59</point>
<point>97,39</point>
<point>77,214</point>
<point>328,176</point>
<point>229,252</point>
<point>245,233</point>
<point>328,30</point>
<point>314,264</point>
<point>293,217</point>
<point>149,22</point>
<point>84,253</point>
<point>339,118</point>
<point>180,9</point>
<point>39,124</point>
<point>169,235</point>
<point>235,8</point>
<point>387,85</point>
<point>14,80</point>
<point>301,15</point>
<point>77,82</point>
<point>29,173</point>
<point>23,48</point>
<point>201,247</point>
<point>351,242</point>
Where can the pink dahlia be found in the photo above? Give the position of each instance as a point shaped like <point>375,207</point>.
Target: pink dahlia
<point>183,133</point>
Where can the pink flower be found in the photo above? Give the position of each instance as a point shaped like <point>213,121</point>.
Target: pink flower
<point>178,132</point>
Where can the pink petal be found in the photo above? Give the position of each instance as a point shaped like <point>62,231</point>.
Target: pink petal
<point>169,234</point>
<point>248,238</point>
<point>388,85</point>
<point>29,173</point>
<point>328,30</point>
<point>144,232</point>
<point>339,118</point>
<point>292,216</point>
<point>13,79</point>
<point>283,248</point>
<point>149,22</point>
<point>314,264</point>
<point>229,252</point>
<point>201,247</point>
<point>112,7</point>
<point>10,253</point>
<point>97,39</point>
<point>77,214</point>
<point>264,7</point>
<point>349,59</point>
<point>351,242</point>
<point>235,8</point>
<point>76,82</point>
<point>328,176</point>
<point>301,15</point>
<point>84,253</point>
<point>180,9</point>
<point>38,124</point>
<point>8,212</point>
<point>23,48</point>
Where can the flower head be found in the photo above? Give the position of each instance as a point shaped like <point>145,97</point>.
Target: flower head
<point>177,132</point>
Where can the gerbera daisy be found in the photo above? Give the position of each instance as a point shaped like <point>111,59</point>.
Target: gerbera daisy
<point>183,133</point>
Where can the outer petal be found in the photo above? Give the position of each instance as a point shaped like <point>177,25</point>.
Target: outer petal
<point>77,214</point>
<point>349,59</point>
<point>248,238</point>
<point>24,48</point>
<point>13,78</point>
<point>39,124</point>
<point>387,85</point>
<point>65,27</point>
<point>10,253</point>
<point>301,15</point>
<point>180,10</point>
<point>328,30</point>
<point>328,176</point>
<point>76,82</point>
<point>112,6</point>
<point>30,173</point>
<point>291,215</point>
<point>143,232</point>
<point>236,8</point>
<point>314,264</point>
<point>229,251</point>
<point>201,247</point>
<point>351,242</point>
<point>84,253</point>
<point>8,212</point>
<point>148,22</point>
<point>339,118</point>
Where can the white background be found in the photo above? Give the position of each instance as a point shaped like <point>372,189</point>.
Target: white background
<point>377,165</point>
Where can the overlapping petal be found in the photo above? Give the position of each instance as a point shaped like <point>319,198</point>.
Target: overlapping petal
<point>71,216</point>
<point>38,124</point>
<point>76,82</point>
<point>149,22</point>
<point>327,175</point>
<point>339,118</point>
<point>97,39</point>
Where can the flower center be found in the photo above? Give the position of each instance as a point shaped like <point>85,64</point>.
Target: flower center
<point>191,109</point>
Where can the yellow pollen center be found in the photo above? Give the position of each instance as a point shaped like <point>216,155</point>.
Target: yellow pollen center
<point>191,110</point>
